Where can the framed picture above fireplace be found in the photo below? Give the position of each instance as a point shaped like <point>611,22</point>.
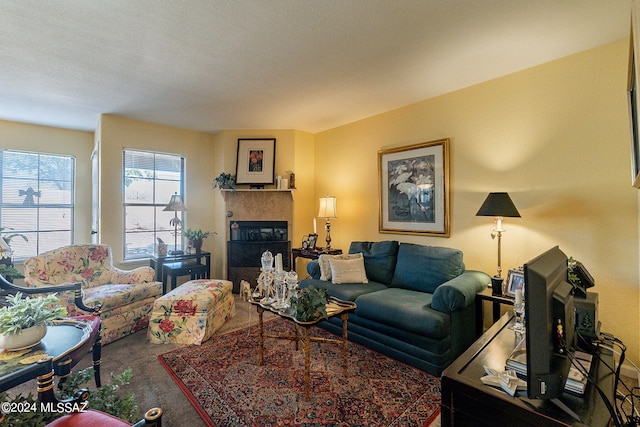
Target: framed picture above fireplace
<point>256,161</point>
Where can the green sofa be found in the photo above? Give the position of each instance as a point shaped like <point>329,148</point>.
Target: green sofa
<point>417,307</point>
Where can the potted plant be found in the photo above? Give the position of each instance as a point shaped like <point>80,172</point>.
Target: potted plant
<point>7,270</point>
<point>23,323</point>
<point>195,236</point>
<point>224,180</point>
<point>110,398</point>
<point>309,304</point>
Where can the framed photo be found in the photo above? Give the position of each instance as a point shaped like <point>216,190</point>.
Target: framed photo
<point>414,189</point>
<point>515,281</point>
<point>313,239</point>
<point>256,160</point>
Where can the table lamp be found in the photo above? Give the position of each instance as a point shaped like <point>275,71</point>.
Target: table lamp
<point>175,205</point>
<point>498,205</point>
<point>327,211</point>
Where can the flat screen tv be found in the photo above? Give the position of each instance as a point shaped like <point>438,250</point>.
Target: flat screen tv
<point>550,324</point>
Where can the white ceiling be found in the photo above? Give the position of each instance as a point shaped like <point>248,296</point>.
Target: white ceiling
<point>310,65</point>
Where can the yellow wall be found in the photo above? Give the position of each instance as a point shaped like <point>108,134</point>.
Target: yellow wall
<point>556,137</point>
<point>45,139</point>
<point>116,134</point>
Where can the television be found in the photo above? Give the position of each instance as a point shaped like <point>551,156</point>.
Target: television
<point>550,324</point>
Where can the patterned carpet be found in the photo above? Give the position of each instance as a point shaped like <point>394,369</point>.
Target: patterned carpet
<point>224,382</point>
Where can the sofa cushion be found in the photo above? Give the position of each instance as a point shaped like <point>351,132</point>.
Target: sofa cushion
<point>424,268</point>
<point>379,259</point>
<point>325,267</point>
<point>344,292</point>
<point>404,309</point>
<point>348,270</point>
<point>114,296</point>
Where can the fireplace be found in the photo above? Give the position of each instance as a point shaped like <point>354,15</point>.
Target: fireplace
<point>247,241</point>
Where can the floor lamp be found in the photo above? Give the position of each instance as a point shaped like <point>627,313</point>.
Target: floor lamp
<point>498,205</point>
<point>175,205</point>
<point>327,211</point>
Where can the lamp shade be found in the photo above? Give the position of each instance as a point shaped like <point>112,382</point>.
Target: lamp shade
<point>500,205</point>
<point>175,204</point>
<point>327,207</point>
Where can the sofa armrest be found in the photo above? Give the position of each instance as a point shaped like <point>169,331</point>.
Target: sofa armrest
<point>459,292</point>
<point>313,268</point>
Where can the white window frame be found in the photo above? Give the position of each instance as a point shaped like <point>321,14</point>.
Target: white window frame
<point>160,227</point>
<point>41,238</point>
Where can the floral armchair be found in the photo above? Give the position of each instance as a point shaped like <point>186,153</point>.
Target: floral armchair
<point>126,296</point>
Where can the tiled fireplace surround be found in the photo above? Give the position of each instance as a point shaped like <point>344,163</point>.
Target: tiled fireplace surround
<point>257,205</point>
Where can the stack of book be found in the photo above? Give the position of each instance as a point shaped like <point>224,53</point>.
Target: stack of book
<point>576,381</point>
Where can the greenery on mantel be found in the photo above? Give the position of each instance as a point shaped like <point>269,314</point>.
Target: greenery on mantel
<point>224,180</point>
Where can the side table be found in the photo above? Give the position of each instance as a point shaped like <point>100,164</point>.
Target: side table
<point>176,269</point>
<point>311,253</point>
<point>158,262</point>
<point>496,300</point>
<point>62,340</point>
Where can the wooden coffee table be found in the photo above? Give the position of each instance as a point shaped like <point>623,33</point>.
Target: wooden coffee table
<point>335,307</point>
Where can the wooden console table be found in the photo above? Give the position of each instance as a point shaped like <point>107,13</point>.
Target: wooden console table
<point>311,253</point>
<point>468,402</point>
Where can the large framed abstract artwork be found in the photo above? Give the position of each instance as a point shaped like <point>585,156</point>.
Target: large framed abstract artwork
<point>256,161</point>
<point>414,189</point>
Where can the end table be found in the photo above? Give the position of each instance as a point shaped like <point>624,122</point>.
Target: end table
<point>311,253</point>
<point>496,300</point>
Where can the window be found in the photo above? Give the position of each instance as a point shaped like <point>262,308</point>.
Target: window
<point>37,201</point>
<point>149,181</point>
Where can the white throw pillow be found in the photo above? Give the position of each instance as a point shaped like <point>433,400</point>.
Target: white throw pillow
<point>348,271</point>
<point>325,268</point>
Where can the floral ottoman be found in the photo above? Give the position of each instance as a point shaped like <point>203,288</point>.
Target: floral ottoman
<point>191,313</point>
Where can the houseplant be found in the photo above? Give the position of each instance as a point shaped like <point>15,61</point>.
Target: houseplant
<point>195,236</point>
<point>309,304</point>
<point>224,180</point>
<point>109,398</point>
<point>23,323</point>
<point>7,270</point>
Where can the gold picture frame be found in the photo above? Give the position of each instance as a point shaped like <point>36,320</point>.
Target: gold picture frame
<point>414,189</point>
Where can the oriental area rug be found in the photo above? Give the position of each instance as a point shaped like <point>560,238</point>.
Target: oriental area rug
<point>225,384</point>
